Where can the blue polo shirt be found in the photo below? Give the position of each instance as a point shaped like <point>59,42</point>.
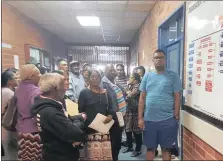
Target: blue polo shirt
<point>160,89</point>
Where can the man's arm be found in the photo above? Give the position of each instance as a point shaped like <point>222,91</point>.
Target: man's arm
<point>177,96</point>
<point>142,99</point>
<point>141,105</point>
<point>72,89</point>
<point>177,99</point>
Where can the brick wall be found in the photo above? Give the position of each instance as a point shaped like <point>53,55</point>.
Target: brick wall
<point>18,30</point>
<point>148,34</point>
<point>196,149</point>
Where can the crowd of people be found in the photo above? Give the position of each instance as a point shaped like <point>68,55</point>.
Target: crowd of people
<point>46,131</point>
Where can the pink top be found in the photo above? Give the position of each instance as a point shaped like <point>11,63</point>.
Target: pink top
<point>25,93</point>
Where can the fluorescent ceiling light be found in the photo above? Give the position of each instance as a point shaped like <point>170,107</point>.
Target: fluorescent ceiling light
<point>88,20</point>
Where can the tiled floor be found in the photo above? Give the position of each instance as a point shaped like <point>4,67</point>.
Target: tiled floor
<point>127,156</point>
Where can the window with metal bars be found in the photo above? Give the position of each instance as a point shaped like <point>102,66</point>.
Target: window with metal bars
<point>98,56</point>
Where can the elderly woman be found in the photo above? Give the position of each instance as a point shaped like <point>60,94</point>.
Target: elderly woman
<point>61,134</point>
<point>65,74</point>
<point>70,106</point>
<point>28,137</point>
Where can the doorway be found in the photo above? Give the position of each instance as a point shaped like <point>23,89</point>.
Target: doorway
<point>171,41</point>
<point>173,58</point>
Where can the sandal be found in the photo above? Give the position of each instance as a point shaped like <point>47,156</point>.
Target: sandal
<point>126,150</point>
<point>156,152</point>
<point>136,153</point>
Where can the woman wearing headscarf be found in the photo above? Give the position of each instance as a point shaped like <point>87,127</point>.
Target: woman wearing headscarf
<point>131,117</point>
<point>60,133</point>
<point>9,82</point>
<point>29,143</point>
<point>94,100</point>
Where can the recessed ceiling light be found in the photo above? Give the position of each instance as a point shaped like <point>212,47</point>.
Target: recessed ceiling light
<point>88,20</point>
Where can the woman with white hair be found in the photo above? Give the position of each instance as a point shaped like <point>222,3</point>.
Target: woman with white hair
<point>61,134</point>
<point>29,142</point>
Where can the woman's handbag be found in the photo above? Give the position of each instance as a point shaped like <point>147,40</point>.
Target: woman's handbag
<point>118,114</point>
<point>9,116</point>
<point>133,103</point>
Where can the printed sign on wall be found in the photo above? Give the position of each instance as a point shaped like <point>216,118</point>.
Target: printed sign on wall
<point>204,83</point>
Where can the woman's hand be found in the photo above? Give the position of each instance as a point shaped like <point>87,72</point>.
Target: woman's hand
<point>76,144</point>
<point>84,116</point>
<point>108,119</point>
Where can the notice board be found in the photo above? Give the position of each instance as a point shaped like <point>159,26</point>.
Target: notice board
<point>204,64</point>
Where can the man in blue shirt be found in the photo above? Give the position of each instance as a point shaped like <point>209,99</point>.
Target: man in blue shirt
<point>76,81</point>
<point>160,96</point>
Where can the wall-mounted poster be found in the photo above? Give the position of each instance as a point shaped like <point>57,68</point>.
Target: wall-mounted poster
<point>204,78</point>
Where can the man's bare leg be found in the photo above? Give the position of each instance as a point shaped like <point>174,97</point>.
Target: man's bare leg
<point>150,155</point>
<point>166,155</point>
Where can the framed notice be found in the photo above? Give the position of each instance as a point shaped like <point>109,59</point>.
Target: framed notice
<point>204,67</point>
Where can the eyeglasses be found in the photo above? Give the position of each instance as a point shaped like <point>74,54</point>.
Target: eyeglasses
<point>159,57</point>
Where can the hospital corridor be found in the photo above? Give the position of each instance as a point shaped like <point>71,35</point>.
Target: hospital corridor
<point>111,80</point>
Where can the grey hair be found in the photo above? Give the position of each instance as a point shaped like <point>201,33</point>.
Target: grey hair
<point>50,81</point>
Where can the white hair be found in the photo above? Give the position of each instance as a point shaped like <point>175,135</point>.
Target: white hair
<point>50,81</point>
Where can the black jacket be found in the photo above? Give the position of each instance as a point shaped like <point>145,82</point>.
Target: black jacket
<point>57,131</point>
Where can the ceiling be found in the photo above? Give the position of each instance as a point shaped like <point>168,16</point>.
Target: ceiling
<point>120,20</point>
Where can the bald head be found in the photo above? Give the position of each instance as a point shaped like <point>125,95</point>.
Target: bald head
<point>110,72</point>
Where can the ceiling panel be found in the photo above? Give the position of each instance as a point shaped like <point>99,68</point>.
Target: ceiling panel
<point>130,23</point>
<point>84,5</point>
<point>90,12</point>
<point>111,32</point>
<point>111,5</point>
<point>120,20</point>
<point>111,13</point>
<point>56,5</point>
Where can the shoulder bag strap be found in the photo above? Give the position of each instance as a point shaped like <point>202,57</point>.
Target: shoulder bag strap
<point>106,95</point>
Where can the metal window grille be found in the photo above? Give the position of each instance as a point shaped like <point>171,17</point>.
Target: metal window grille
<point>99,55</point>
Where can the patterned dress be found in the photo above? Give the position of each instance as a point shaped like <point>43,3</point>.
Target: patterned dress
<point>30,147</point>
<point>131,117</point>
<point>98,147</point>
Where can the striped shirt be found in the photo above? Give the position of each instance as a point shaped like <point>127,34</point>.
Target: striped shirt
<point>122,82</point>
<point>120,99</point>
<point>118,94</point>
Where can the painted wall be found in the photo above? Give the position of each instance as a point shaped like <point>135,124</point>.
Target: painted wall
<point>18,30</point>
